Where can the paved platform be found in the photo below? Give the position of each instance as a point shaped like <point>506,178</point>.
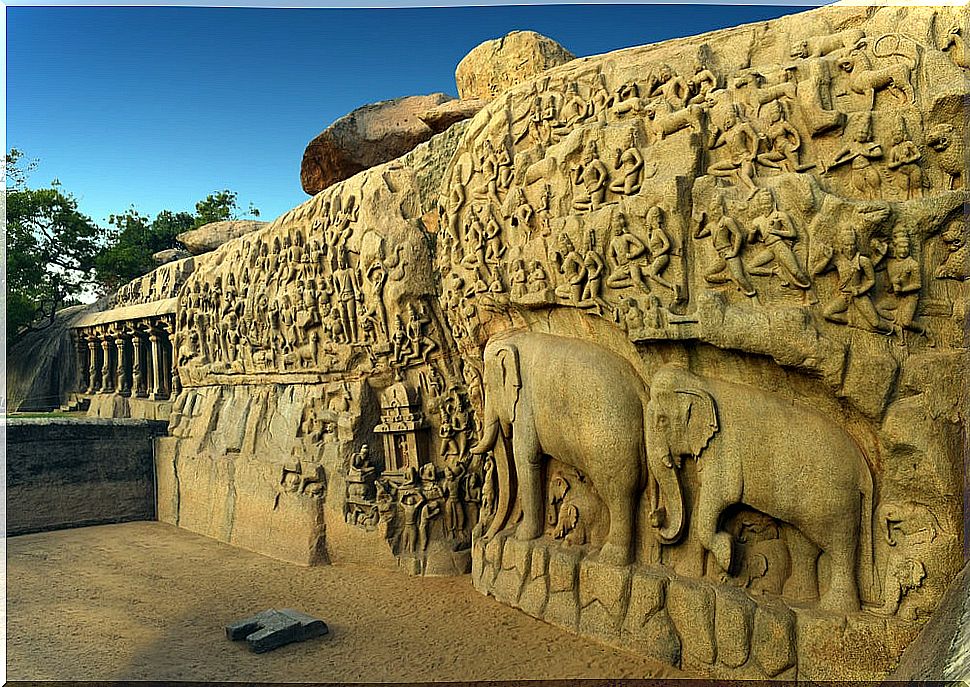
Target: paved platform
<point>148,601</point>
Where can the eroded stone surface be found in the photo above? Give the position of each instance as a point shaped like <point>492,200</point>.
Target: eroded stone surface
<point>496,65</point>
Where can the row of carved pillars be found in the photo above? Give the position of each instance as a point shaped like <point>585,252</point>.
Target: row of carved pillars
<point>128,358</point>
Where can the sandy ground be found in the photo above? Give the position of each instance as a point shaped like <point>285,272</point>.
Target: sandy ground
<point>149,601</point>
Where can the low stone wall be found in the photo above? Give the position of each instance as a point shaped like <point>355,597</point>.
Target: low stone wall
<point>68,473</point>
<point>704,628</point>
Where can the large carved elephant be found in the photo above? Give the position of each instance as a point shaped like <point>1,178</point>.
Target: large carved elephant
<point>579,403</point>
<point>772,454</point>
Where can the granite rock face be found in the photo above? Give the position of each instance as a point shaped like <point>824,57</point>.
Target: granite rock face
<point>668,346</point>
<point>368,136</point>
<point>497,65</point>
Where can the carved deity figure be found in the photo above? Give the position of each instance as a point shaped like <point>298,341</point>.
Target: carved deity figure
<point>904,159</point>
<point>861,151</point>
<point>629,166</point>
<point>592,176</point>
<point>741,143</point>
<point>727,237</point>
<point>784,142</point>
<point>905,282</point>
<point>856,278</point>
<point>624,255</point>
<point>572,266</point>
<point>776,231</point>
<point>659,247</point>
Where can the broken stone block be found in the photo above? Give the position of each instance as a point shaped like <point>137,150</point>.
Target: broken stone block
<point>691,607</point>
<point>272,629</point>
<point>732,626</point>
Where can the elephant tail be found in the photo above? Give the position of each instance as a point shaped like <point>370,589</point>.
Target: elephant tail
<point>869,593</point>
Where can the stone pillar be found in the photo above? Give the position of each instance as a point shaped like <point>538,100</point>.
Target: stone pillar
<point>122,386</point>
<point>107,385</point>
<point>138,386</point>
<point>156,391</point>
<point>82,363</point>
<point>93,381</point>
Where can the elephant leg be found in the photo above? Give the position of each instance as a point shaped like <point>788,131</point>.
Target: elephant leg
<point>619,542</point>
<point>802,584</point>
<point>525,451</point>
<point>709,507</point>
<point>842,594</point>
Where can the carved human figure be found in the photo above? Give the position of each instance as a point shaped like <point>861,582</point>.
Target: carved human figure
<point>659,247</point>
<point>538,280</point>
<point>595,268</point>
<point>633,317</point>
<point>856,279</point>
<point>727,237</point>
<point>624,254</point>
<point>573,268</point>
<point>592,177</point>
<point>411,500</point>
<point>904,158</point>
<point>454,512</point>
<point>905,282</point>
<point>784,142</point>
<point>741,143</point>
<point>629,166</point>
<point>777,233</point>
<point>518,278</point>
<point>861,151</point>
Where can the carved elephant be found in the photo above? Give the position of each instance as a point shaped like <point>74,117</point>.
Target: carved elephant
<point>772,454</point>
<point>577,402</point>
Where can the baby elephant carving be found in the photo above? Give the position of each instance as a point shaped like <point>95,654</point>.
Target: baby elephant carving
<point>771,454</point>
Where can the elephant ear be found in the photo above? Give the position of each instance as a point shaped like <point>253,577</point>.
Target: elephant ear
<point>700,418</point>
<point>507,358</point>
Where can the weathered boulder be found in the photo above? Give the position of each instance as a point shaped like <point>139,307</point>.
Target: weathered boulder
<point>368,136</point>
<point>170,255</point>
<point>443,116</point>
<point>211,236</point>
<point>497,65</point>
<point>42,365</point>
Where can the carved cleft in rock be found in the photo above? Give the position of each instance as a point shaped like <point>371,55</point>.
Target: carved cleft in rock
<point>497,65</point>
<point>368,136</point>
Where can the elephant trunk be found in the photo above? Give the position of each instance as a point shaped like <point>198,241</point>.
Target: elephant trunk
<point>490,429</point>
<point>669,513</point>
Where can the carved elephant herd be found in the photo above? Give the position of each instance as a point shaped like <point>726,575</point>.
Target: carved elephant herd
<point>587,407</point>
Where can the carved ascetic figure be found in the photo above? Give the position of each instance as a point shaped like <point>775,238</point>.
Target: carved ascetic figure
<point>577,402</point>
<point>857,276</point>
<point>751,449</point>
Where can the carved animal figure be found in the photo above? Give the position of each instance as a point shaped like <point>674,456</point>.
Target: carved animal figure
<point>865,80</point>
<point>577,402</point>
<point>771,454</point>
<point>946,141</point>
<point>305,355</point>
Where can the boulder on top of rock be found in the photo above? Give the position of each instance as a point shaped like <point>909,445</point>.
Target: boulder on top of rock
<point>443,116</point>
<point>496,65</point>
<point>170,255</point>
<point>368,136</point>
<point>211,236</point>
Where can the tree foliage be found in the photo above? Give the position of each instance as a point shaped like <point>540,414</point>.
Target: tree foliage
<point>51,249</point>
<point>134,238</point>
<point>56,254</point>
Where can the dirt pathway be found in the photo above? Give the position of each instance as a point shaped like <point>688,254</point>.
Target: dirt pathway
<point>149,601</point>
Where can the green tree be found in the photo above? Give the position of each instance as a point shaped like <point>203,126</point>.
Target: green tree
<point>132,242</point>
<point>134,238</point>
<point>220,206</point>
<point>51,249</point>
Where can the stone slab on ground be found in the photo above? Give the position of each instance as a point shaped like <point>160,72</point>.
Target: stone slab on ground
<point>272,629</point>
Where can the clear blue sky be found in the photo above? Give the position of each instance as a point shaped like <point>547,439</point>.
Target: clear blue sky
<point>157,107</point>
